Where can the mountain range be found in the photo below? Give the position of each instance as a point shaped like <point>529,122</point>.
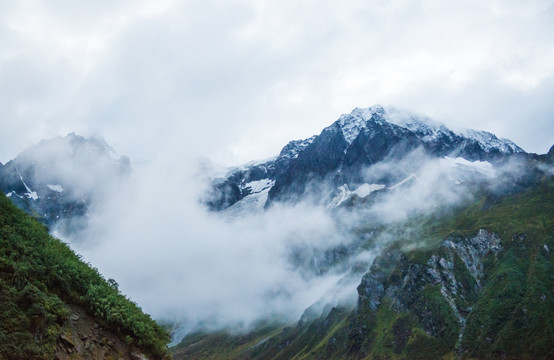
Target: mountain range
<point>458,224</point>
<point>340,154</point>
<point>466,272</point>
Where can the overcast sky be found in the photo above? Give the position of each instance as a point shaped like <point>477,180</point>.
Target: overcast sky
<point>236,80</point>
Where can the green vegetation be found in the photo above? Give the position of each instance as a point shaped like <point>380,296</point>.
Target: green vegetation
<point>200,345</point>
<point>38,275</point>
<point>512,315</point>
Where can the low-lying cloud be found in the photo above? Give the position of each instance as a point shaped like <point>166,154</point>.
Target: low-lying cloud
<point>181,262</point>
<point>184,264</point>
<point>423,184</point>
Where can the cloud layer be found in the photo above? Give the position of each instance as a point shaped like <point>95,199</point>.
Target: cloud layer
<point>251,75</point>
<point>184,264</point>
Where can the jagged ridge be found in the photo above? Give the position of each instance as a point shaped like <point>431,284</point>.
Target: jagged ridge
<point>355,141</point>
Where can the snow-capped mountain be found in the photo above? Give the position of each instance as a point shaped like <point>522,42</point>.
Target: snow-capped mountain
<point>58,180</point>
<point>338,157</point>
<point>444,237</point>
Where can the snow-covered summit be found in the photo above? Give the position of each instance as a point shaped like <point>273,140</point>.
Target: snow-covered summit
<point>344,150</point>
<point>489,141</point>
<point>425,128</point>
<point>293,148</point>
<point>351,124</point>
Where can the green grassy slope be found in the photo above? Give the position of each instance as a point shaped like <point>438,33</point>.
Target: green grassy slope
<point>38,275</point>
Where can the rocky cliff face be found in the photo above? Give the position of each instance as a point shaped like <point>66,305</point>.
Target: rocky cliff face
<point>83,338</point>
<point>453,274</point>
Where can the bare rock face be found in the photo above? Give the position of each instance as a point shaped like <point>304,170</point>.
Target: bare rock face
<point>456,269</point>
<point>81,338</point>
<point>473,250</point>
<point>370,292</point>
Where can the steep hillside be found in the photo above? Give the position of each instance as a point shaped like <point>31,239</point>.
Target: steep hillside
<point>55,306</point>
<point>474,283</point>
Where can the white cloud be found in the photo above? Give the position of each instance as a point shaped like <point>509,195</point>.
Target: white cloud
<point>184,264</point>
<point>180,262</point>
<point>251,75</point>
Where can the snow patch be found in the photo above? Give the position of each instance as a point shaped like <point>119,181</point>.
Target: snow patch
<point>14,193</point>
<point>489,142</point>
<point>56,188</point>
<point>293,148</point>
<point>482,167</point>
<point>253,202</point>
<point>250,204</point>
<point>340,197</point>
<point>30,193</point>
<point>412,176</point>
<point>366,189</point>
<point>344,193</point>
<point>351,128</point>
<point>258,185</point>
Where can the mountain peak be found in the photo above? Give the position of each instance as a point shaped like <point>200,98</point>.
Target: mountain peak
<point>351,124</point>
<point>356,141</point>
<point>489,141</point>
<point>291,150</point>
<point>60,179</point>
<point>369,111</point>
<point>425,128</point>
